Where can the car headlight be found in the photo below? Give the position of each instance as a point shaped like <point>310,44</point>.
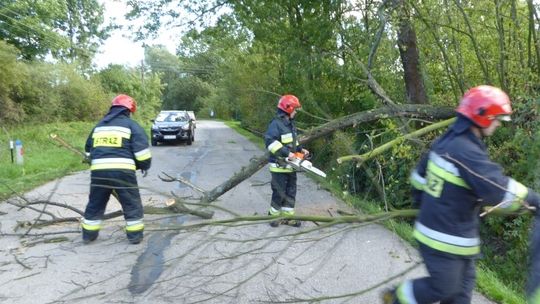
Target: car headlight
<point>155,128</point>
<point>185,127</point>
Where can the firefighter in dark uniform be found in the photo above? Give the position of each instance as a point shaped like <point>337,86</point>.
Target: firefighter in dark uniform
<point>117,147</point>
<point>281,140</point>
<point>451,183</point>
<point>533,286</point>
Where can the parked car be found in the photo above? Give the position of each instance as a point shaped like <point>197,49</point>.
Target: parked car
<point>172,126</point>
<point>192,116</point>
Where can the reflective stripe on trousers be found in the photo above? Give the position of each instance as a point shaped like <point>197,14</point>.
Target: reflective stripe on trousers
<point>446,242</point>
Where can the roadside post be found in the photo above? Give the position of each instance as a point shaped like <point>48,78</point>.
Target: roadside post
<point>11,147</point>
<point>19,152</point>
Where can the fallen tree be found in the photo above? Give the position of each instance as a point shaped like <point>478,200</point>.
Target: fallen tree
<point>427,112</point>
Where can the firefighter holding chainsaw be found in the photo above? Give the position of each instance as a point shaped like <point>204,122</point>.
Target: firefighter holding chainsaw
<point>282,143</point>
<point>451,183</point>
<point>117,147</point>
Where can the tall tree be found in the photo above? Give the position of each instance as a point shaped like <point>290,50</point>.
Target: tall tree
<point>67,30</point>
<point>410,58</point>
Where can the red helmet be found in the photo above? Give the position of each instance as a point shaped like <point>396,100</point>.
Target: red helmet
<point>288,103</point>
<point>126,102</point>
<point>482,104</point>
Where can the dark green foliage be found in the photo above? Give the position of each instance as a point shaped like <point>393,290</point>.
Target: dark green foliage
<point>70,30</point>
<point>144,87</point>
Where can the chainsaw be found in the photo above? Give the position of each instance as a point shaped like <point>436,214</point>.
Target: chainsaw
<point>300,162</point>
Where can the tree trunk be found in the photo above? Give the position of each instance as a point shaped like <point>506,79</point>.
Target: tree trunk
<point>410,58</point>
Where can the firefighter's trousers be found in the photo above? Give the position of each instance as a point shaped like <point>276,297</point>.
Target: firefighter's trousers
<point>124,184</point>
<point>451,281</point>
<point>533,284</point>
<point>283,190</point>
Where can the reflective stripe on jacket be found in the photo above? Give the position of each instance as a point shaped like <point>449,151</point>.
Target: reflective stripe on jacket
<point>281,139</point>
<point>451,183</point>
<point>117,142</point>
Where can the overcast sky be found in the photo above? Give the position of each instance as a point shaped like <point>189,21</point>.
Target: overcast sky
<point>119,48</point>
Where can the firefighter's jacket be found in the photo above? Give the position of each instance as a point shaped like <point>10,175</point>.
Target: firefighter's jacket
<point>452,182</point>
<point>281,139</point>
<point>117,142</point>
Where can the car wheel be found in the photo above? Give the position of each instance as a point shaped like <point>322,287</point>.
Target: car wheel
<point>154,142</point>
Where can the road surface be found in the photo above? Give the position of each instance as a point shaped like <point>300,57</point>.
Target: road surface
<point>214,264</point>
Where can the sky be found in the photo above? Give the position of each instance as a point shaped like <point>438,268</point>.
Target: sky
<point>119,47</point>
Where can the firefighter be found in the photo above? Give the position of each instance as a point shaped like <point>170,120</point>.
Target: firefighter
<point>533,286</point>
<point>451,183</point>
<point>281,141</point>
<point>118,146</point>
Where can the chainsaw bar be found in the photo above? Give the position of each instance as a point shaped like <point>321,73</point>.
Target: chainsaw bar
<point>305,165</point>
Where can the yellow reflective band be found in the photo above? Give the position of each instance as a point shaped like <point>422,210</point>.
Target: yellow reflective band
<point>445,247</point>
<point>108,141</point>
<point>515,193</point>
<point>90,227</point>
<point>417,181</point>
<point>143,155</point>
<point>274,211</point>
<point>274,147</point>
<point>446,176</point>
<point>134,228</point>
<point>287,138</point>
<point>281,170</point>
<point>521,191</point>
<point>405,293</point>
<point>287,211</point>
<point>113,166</point>
<point>113,163</point>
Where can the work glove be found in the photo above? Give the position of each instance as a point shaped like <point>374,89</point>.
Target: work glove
<point>307,154</point>
<point>533,200</point>
<point>291,156</point>
<point>87,159</point>
<point>144,172</point>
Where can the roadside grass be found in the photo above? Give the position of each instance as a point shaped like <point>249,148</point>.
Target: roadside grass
<point>235,125</point>
<point>44,160</point>
<point>487,281</point>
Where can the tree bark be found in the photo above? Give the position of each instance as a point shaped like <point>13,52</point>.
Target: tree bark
<point>410,58</point>
<point>406,110</point>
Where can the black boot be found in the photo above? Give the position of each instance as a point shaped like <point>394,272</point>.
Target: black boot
<point>294,223</point>
<point>89,236</point>
<point>389,296</point>
<point>135,237</point>
<point>274,223</point>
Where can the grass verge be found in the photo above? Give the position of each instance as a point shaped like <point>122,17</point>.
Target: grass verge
<point>44,160</point>
<point>235,125</point>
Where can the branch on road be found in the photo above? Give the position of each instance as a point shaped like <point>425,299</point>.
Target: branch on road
<point>256,163</point>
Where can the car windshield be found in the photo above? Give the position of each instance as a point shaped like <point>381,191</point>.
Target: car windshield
<point>170,117</point>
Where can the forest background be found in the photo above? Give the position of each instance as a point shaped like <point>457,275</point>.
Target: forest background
<point>339,57</point>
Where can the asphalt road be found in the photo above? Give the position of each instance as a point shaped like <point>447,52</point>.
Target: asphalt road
<point>215,264</point>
